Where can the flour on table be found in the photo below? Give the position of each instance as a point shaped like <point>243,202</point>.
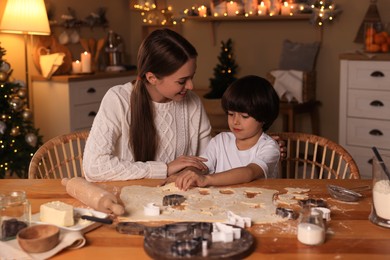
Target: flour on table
<point>201,204</point>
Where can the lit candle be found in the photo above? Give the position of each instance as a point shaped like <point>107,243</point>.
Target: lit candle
<point>262,9</point>
<point>76,67</point>
<point>85,62</point>
<point>251,7</point>
<point>286,10</point>
<point>232,8</point>
<point>202,11</point>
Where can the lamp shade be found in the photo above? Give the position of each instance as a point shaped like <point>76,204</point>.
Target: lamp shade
<point>24,17</point>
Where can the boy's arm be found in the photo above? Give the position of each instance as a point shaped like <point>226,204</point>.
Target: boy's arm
<point>235,176</point>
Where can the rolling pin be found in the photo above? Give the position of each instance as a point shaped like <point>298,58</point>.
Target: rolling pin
<point>92,195</point>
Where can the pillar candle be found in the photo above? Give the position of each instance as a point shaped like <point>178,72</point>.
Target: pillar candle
<point>262,9</point>
<point>251,7</point>
<point>232,8</point>
<point>76,66</point>
<point>286,9</point>
<point>85,62</point>
<point>202,11</point>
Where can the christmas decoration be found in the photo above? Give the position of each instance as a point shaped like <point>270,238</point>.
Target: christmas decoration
<point>18,138</point>
<point>224,72</point>
<point>323,11</point>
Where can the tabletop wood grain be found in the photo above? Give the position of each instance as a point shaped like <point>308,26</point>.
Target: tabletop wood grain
<point>350,235</point>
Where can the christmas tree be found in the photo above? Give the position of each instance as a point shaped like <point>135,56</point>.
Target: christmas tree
<point>224,72</point>
<point>18,138</point>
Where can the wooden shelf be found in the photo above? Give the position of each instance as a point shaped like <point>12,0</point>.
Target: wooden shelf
<point>241,18</point>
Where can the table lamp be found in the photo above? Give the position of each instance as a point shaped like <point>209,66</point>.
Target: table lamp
<point>27,17</point>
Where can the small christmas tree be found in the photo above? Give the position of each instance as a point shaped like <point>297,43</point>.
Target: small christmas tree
<point>224,72</point>
<point>18,137</point>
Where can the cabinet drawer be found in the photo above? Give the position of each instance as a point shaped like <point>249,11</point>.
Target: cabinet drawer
<point>82,116</point>
<point>369,104</point>
<point>91,91</point>
<point>369,75</point>
<point>368,133</point>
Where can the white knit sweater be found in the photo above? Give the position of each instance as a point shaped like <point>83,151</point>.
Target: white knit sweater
<point>183,129</point>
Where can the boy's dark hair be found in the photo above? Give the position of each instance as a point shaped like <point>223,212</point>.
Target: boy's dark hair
<point>255,96</point>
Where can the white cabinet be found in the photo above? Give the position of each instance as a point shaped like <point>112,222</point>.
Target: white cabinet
<point>69,103</point>
<point>364,108</point>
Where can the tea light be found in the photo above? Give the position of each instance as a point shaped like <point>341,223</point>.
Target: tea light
<point>76,66</point>
<point>202,11</point>
<point>286,10</point>
<point>262,9</point>
<point>85,62</point>
<point>232,8</point>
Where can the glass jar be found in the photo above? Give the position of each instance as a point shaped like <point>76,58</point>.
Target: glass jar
<point>15,214</point>
<point>311,227</point>
<point>375,37</point>
<point>380,212</point>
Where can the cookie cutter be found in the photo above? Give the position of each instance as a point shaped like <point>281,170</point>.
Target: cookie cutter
<point>325,212</point>
<point>286,213</point>
<point>173,200</point>
<point>237,220</point>
<point>186,248</point>
<point>225,233</point>
<point>313,203</point>
<point>151,210</point>
<point>130,228</point>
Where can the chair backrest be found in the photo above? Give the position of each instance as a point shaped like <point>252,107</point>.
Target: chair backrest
<point>60,157</point>
<point>315,157</point>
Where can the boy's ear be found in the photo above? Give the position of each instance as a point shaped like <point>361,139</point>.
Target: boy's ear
<point>151,78</point>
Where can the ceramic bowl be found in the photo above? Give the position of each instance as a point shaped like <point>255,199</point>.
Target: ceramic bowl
<point>38,238</point>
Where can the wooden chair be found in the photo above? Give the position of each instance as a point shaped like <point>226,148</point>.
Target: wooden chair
<point>314,157</point>
<point>60,157</point>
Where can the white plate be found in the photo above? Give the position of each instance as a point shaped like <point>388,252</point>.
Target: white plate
<point>80,224</point>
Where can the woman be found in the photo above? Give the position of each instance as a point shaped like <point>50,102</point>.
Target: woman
<point>155,127</point>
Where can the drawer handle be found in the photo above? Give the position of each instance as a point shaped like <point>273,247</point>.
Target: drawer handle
<point>369,161</point>
<point>376,132</point>
<point>91,90</point>
<point>377,74</point>
<point>92,113</point>
<point>376,103</point>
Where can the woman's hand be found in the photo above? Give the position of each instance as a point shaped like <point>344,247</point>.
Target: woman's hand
<point>182,162</point>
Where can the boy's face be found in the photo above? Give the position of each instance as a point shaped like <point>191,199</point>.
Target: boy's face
<point>244,127</point>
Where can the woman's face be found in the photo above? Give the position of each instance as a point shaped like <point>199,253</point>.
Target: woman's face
<point>173,87</point>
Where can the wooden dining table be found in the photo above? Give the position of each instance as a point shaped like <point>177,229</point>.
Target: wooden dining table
<point>350,234</point>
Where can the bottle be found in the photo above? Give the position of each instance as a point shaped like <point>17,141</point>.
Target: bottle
<point>311,227</point>
<point>92,195</point>
<point>15,214</point>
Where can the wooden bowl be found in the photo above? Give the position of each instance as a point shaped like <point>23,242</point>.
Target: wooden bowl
<point>38,238</point>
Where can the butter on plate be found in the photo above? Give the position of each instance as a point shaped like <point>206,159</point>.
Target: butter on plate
<point>57,213</point>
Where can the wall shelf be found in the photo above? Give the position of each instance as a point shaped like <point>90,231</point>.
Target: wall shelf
<point>255,18</point>
<point>241,18</point>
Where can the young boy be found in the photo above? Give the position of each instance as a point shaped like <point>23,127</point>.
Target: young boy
<point>247,152</point>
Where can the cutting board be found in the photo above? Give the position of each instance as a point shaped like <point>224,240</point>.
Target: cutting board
<point>49,45</point>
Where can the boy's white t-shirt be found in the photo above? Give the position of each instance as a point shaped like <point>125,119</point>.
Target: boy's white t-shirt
<point>222,154</point>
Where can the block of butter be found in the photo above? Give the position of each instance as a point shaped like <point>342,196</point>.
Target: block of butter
<point>57,213</point>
